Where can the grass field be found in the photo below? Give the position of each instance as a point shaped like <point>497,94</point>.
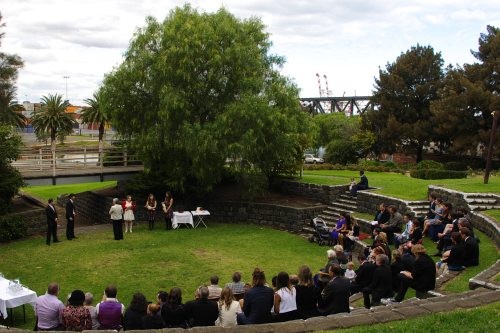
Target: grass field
<point>149,261</point>
<point>481,319</point>
<point>53,191</point>
<point>401,186</point>
<point>494,213</point>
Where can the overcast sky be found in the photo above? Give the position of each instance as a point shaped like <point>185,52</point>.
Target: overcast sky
<point>347,40</point>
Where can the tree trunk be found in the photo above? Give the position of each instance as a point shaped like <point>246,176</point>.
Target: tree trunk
<point>101,144</point>
<point>420,150</point>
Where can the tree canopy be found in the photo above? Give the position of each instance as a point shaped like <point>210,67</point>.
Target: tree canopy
<point>403,93</point>
<point>469,94</point>
<point>200,91</point>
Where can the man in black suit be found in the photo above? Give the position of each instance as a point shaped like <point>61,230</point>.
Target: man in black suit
<point>364,274</point>
<point>70,217</point>
<point>422,278</point>
<point>335,297</point>
<point>202,312</point>
<point>381,285</point>
<point>471,249</point>
<point>51,213</point>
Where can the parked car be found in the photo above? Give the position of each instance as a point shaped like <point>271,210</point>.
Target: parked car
<point>310,158</point>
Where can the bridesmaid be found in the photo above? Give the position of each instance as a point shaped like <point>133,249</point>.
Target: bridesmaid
<point>168,210</point>
<point>151,207</point>
<point>128,213</point>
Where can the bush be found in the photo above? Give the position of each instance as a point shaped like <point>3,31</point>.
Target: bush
<point>390,164</point>
<point>429,164</point>
<point>457,166</point>
<point>437,174</point>
<point>12,227</point>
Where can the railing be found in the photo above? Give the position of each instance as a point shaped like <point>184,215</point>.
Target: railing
<point>85,158</point>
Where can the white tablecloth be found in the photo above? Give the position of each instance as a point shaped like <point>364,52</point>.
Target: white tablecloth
<point>182,218</point>
<point>199,214</point>
<point>9,300</point>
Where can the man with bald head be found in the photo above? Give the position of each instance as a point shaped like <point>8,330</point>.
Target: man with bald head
<point>48,309</point>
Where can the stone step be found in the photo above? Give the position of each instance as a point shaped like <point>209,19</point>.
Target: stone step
<point>347,197</point>
<point>475,201</point>
<point>342,206</point>
<point>483,207</point>
<point>346,201</point>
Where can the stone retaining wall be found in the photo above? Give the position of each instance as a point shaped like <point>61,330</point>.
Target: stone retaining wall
<point>487,225</point>
<point>321,193</point>
<point>454,197</point>
<point>276,216</point>
<point>368,202</point>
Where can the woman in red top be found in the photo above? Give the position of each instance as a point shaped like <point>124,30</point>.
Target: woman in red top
<point>128,213</point>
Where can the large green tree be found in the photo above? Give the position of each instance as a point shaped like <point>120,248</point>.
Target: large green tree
<point>52,118</point>
<point>10,109</point>
<point>199,91</point>
<point>9,65</point>
<point>10,178</point>
<point>462,115</point>
<point>95,113</point>
<point>403,93</point>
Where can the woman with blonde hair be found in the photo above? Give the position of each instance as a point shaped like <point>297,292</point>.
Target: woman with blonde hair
<point>228,309</point>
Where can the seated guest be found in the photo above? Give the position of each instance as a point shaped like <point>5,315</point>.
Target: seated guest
<point>323,276</point>
<point>382,215</point>
<point>152,320</point>
<point>397,266</point>
<point>340,226</point>
<point>444,238</point>
<point>133,315</point>
<point>454,258</point>
<point>162,298</point>
<point>471,249</point>
<point>294,280</point>
<point>335,296</point>
<point>228,309</point>
<point>258,301</point>
<point>364,274</point>
<point>438,213</point>
<point>89,299</point>
<point>423,276</point>
<point>382,242</point>
<point>381,285</point>
<point>307,294</point>
<point>362,185</point>
<point>433,196</point>
<point>48,309</point>
<point>236,285</point>
<point>214,290</point>
<point>76,317</point>
<point>173,313</point>
<point>400,238</point>
<point>341,257</point>
<point>110,311</point>
<point>285,303</point>
<point>349,272</point>
<point>393,225</point>
<point>201,311</point>
<point>415,234</point>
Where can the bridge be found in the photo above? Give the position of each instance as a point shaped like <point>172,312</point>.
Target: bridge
<point>43,167</point>
<point>350,105</point>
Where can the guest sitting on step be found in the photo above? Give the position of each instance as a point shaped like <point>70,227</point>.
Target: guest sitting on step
<point>362,185</point>
<point>393,225</point>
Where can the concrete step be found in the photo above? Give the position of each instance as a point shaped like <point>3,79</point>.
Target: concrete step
<point>483,207</point>
<point>346,201</point>
<point>481,201</point>
<point>342,206</point>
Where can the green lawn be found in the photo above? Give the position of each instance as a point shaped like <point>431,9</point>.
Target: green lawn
<point>53,191</point>
<point>401,186</point>
<point>494,213</point>
<point>481,319</point>
<point>148,261</point>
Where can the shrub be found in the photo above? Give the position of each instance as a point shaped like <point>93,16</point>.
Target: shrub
<point>390,164</point>
<point>12,227</point>
<point>429,164</point>
<point>437,174</point>
<point>457,166</point>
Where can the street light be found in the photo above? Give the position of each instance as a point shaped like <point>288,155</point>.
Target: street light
<point>66,77</point>
<point>489,153</point>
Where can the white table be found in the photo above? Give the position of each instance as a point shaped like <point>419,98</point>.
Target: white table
<point>9,300</point>
<point>199,214</point>
<point>182,218</point>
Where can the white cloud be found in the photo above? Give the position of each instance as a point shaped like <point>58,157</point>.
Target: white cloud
<point>348,40</point>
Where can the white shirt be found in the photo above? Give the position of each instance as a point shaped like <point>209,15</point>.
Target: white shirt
<point>227,318</point>
<point>287,302</point>
<point>116,212</point>
<point>350,274</point>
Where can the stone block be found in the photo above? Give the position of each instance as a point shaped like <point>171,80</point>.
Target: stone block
<point>411,311</point>
<point>358,319</point>
<point>383,315</point>
<point>466,302</point>
<point>321,323</point>
<point>438,306</point>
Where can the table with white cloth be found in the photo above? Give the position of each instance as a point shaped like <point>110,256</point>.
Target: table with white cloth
<point>10,299</point>
<point>182,218</point>
<point>199,217</point>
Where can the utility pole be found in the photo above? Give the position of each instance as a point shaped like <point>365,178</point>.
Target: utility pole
<point>66,78</point>
<point>489,153</point>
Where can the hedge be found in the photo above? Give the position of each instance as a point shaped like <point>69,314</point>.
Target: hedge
<point>437,174</point>
<point>11,228</point>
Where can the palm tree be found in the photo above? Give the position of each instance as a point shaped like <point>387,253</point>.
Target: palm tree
<point>10,110</point>
<point>52,118</point>
<point>95,113</point>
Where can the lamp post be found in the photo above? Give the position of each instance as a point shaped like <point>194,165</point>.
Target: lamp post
<point>489,153</point>
<point>66,78</point>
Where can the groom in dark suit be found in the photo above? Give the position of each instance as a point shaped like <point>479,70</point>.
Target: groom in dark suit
<point>51,213</point>
<point>335,296</point>
<point>70,217</point>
